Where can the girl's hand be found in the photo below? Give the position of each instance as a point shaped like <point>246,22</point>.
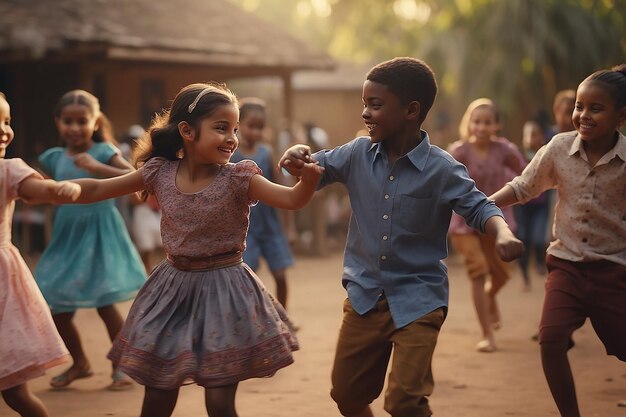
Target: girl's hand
<point>294,158</point>
<point>86,161</point>
<point>69,190</point>
<point>508,246</point>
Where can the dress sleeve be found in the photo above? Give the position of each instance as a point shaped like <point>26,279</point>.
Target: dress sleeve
<point>17,172</point>
<point>244,171</point>
<point>49,159</point>
<point>149,172</point>
<point>105,151</point>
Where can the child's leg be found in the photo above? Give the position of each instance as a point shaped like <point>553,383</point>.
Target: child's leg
<point>220,401</point>
<point>69,333</point>
<point>469,246</point>
<point>112,319</point>
<point>563,312</point>
<point>20,399</point>
<point>280,276</point>
<point>499,273</point>
<point>411,379</point>
<point>361,358</point>
<point>114,322</point>
<point>159,402</point>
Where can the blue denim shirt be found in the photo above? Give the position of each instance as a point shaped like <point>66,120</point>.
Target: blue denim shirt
<point>397,238</point>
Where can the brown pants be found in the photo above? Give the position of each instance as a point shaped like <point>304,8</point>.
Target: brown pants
<point>365,346</point>
<point>577,290</point>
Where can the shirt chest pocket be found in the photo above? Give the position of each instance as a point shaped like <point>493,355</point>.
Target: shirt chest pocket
<point>415,214</point>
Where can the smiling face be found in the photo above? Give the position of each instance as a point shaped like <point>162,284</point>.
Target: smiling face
<point>6,132</point>
<point>483,124</point>
<point>76,125</point>
<point>595,116</point>
<point>383,113</point>
<point>215,140</point>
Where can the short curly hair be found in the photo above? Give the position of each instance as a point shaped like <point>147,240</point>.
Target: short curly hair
<point>410,79</point>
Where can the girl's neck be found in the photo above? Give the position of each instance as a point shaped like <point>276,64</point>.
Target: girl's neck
<point>481,143</point>
<point>73,150</point>
<point>596,149</point>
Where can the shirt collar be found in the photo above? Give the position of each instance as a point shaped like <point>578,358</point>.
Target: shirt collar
<point>418,155</point>
<point>618,150</point>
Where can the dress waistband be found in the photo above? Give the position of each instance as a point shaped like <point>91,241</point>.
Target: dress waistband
<point>205,263</point>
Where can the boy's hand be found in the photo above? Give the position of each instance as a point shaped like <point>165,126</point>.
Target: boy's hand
<point>508,246</point>
<point>294,158</point>
<point>311,172</point>
<point>69,190</point>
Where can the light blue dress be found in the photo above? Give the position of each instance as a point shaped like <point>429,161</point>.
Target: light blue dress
<point>90,261</point>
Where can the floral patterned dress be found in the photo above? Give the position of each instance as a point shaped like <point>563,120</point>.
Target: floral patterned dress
<point>212,327</point>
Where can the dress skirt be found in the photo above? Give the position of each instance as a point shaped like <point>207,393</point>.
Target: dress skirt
<point>210,327</point>
<point>91,261</point>
<point>29,341</point>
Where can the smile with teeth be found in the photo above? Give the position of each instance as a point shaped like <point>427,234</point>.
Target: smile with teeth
<point>370,126</point>
<point>227,150</point>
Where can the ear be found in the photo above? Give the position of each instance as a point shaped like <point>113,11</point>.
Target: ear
<point>186,131</point>
<point>622,117</point>
<point>96,126</point>
<point>413,110</point>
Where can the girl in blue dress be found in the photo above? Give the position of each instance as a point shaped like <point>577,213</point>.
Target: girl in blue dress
<point>90,261</point>
<point>265,235</point>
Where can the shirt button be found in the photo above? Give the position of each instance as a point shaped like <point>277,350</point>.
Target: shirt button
<point>391,178</point>
<point>385,216</point>
<point>385,237</point>
<point>383,258</point>
<point>584,240</point>
<point>585,220</point>
<point>386,196</point>
<point>592,173</point>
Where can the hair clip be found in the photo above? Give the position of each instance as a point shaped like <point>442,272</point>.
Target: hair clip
<point>198,97</point>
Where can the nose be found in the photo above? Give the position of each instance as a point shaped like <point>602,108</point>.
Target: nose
<point>365,114</point>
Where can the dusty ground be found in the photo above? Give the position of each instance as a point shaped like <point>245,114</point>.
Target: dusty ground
<point>470,384</point>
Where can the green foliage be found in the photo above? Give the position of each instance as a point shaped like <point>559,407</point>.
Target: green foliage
<point>518,52</point>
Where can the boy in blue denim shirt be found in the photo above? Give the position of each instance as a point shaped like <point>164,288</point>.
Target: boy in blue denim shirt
<point>402,191</point>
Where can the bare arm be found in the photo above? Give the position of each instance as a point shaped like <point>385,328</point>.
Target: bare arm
<point>115,167</point>
<point>504,197</point>
<point>291,198</point>
<point>102,189</point>
<point>37,191</point>
<point>508,246</point>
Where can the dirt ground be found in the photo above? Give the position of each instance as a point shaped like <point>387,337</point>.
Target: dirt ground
<point>508,382</point>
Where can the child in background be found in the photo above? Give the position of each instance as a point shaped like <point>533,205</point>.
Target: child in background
<point>146,216</point>
<point>562,108</point>
<point>90,261</point>
<point>203,316</point>
<point>402,192</point>
<point>29,342</point>
<point>489,160</point>
<point>265,236</point>
<point>532,217</point>
<point>587,259</point>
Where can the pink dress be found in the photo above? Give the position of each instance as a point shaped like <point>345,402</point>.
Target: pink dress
<point>29,342</point>
<point>214,326</point>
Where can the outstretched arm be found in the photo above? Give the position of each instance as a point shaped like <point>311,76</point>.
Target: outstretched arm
<point>291,198</point>
<point>508,246</point>
<point>102,189</point>
<point>504,197</point>
<point>37,191</point>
